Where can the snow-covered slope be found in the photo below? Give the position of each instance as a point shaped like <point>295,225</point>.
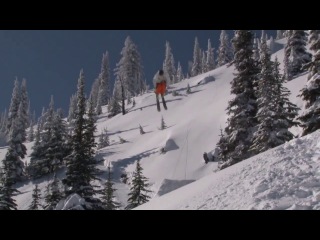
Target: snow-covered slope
<point>193,127</point>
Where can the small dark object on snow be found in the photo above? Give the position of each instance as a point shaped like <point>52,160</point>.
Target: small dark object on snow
<point>162,150</point>
<point>205,157</point>
<point>124,177</point>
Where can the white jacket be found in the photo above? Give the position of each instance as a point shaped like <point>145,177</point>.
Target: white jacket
<point>158,79</point>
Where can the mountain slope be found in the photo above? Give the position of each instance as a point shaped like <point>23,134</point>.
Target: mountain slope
<point>193,127</point>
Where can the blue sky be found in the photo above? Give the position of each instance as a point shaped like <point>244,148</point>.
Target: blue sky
<point>50,60</point>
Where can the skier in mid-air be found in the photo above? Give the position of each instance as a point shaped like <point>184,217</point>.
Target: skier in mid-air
<point>160,83</point>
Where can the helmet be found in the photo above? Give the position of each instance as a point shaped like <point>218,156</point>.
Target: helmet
<point>160,72</point>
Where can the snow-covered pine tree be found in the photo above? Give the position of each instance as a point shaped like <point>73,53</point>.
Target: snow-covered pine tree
<point>180,76</point>
<point>168,65</point>
<point>139,192</point>
<point>16,140</point>
<point>3,123</point>
<point>72,108</point>
<point>24,101</point>
<point>287,72</point>
<point>108,194</point>
<point>31,133</point>
<point>296,51</point>
<point>42,118</point>
<point>309,118</point>
<point>103,139</point>
<point>130,70</point>
<point>14,106</point>
<point>255,50</point>
<point>203,62</point>
<point>271,45</point>
<point>210,61</point>
<point>286,110</point>
<point>81,165</point>
<point>189,73</point>
<point>280,34</point>
<point>95,91</point>
<point>7,181</point>
<point>53,194</point>
<point>196,64</point>
<point>225,52</point>
<point>58,148</point>
<point>98,108</point>
<point>273,120</point>
<point>104,81</point>
<point>114,107</point>
<point>36,195</point>
<point>243,107</point>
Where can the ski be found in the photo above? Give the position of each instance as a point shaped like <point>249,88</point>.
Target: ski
<point>164,103</point>
<point>158,104</point>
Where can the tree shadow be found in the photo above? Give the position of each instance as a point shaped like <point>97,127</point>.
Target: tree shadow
<point>153,105</point>
<point>119,132</point>
<point>119,166</point>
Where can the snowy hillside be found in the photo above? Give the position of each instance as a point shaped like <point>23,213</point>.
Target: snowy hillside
<point>193,127</point>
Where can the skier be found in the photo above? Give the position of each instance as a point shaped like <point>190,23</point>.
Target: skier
<point>160,84</point>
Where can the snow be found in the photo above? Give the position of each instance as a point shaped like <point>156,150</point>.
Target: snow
<point>287,177</point>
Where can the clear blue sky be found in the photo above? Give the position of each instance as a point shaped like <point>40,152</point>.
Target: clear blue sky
<point>51,60</point>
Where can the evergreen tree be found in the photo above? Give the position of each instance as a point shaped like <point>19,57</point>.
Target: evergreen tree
<point>210,62</point>
<point>255,50</point>
<point>7,180</point>
<point>48,153</point>
<point>19,149</point>
<point>168,65</point>
<point>114,106</point>
<point>73,107</point>
<point>53,194</point>
<point>3,122</point>
<point>81,168</point>
<point>14,106</point>
<point>36,195</point>
<point>203,62</point>
<point>108,194</point>
<point>225,52</point>
<point>31,134</point>
<point>25,108</point>
<point>139,191</point>
<point>287,69</point>
<point>130,71</point>
<point>196,65</point>
<point>296,52</point>
<point>104,139</point>
<point>241,109</point>
<point>309,118</point>
<point>271,45</point>
<point>104,77</point>
<point>95,91</point>
<point>273,102</point>
<point>280,34</point>
<point>180,76</point>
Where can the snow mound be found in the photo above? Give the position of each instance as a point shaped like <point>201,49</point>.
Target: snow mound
<point>170,185</point>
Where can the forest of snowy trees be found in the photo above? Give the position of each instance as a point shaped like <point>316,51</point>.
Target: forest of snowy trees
<point>260,115</point>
